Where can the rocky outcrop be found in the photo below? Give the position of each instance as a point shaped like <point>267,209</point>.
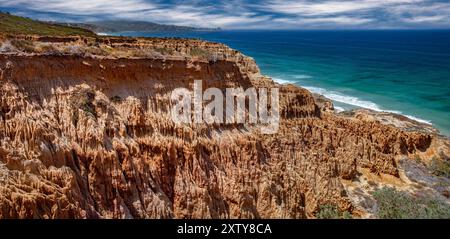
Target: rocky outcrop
<point>88,135</point>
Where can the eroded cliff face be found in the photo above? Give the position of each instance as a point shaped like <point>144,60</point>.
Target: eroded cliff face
<point>90,136</point>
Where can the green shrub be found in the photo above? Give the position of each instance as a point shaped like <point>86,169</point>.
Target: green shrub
<point>418,159</point>
<point>116,99</point>
<point>138,53</point>
<point>164,51</point>
<point>89,108</point>
<point>393,204</point>
<point>48,48</point>
<point>23,45</point>
<point>95,51</point>
<point>330,211</point>
<point>440,167</point>
<point>196,51</point>
<point>83,100</point>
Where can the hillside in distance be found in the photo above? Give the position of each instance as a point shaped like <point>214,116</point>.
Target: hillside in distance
<point>15,25</point>
<point>124,25</point>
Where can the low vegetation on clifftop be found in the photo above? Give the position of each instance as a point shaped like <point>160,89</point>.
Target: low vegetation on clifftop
<point>16,25</point>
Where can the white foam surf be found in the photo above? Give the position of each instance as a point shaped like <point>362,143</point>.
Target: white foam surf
<point>302,76</point>
<point>344,98</point>
<point>339,109</point>
<point>351,100</point>
<point>282,81</point>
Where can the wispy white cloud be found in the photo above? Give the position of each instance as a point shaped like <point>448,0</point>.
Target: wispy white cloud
<point>342,20</point>
<point>249,13</point>
<point>195,15</point>
<point>81,7</point>
<point>364,13</point>
<point>437,13</point>
<point>314,8</point>
<point>422,19</point>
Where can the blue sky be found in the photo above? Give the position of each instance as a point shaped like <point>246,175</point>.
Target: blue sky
<point>247,14</point>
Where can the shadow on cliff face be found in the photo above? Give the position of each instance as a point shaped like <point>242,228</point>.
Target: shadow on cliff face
<point>140,78</point>
<point>88,138</point>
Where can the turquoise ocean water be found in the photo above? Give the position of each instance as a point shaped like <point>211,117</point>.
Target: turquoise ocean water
<point>407,72</point>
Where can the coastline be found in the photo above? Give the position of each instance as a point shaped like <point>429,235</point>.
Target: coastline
<point>390,77</point>
<point>357,103</point>
<point>107,113</point>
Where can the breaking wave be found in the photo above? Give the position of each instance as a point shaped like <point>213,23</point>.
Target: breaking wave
<point>350,100</point>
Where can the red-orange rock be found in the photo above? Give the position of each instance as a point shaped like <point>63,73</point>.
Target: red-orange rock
<point>91,137</point>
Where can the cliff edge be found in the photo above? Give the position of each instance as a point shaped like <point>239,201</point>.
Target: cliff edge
<point>86,133</point>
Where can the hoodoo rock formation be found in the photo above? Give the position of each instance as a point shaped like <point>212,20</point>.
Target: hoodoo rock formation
<point>86,132</point>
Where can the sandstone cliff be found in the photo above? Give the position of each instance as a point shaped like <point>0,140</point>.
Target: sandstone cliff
<point>86,133</point>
